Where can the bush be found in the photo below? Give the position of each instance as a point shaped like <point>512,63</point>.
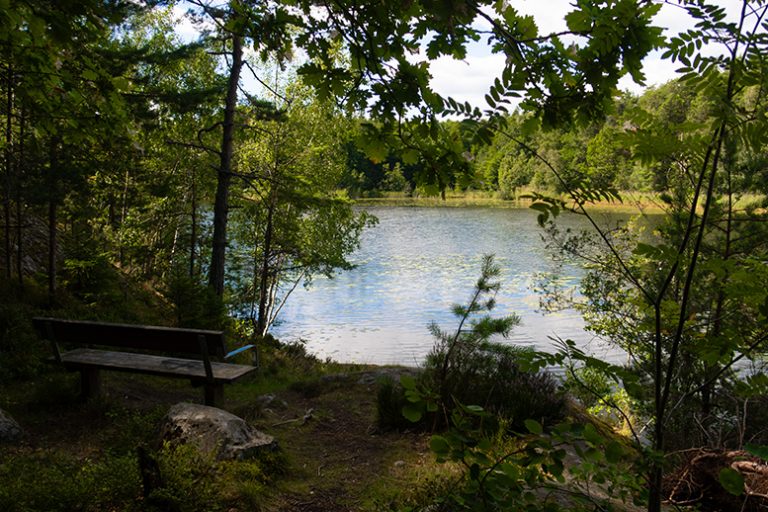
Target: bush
<point>192,482</point>
<point>464,368</point>
<point>515,171</point>
<point>390,400</point>
<point>21,351</point>
<point>488,374</point>
<point>187,480</point>
<point>196,304</point>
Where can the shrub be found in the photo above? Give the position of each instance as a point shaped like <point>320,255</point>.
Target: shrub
<point>187,479</point>
<point>196,304</point>
<point>390,400</point>
<point>21,351</point>
<point>192,482</point>
<point>488,374</point>
<point>466,368</point>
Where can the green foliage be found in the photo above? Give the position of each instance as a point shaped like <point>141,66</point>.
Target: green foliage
<point>514,173</point>
<point>507,473</point>
<point>757,450</point>
<point>503,472</point>
<point>293,223</point>
<point>43,481</point>
<point>20,347</point>
<point>465,367</point>
<point>195,303</point>
<point>188,480</point>
<point>680,302</point>
<point>54,481</point>
<point>558,82</point>
<point>732,481</point>
<point>392,407</point>
<point>394,180</point>
<point>490,376</point>
<point>604,398</point>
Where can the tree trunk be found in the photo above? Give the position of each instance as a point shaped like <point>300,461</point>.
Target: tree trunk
<point>8,170</point>
<point>19,208</point>
<point>52,223</point>
<point>657,471</point>
<point>221,206</point>
<point>123,216</point>
<point>193,233</point>
<point>264,297</point>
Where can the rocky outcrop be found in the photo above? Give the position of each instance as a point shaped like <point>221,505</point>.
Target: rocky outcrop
<point>394,373</point>
<point>10,431</point>
<point>214,432</point>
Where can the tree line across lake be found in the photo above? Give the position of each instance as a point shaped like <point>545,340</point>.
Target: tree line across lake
<point>606,153</point>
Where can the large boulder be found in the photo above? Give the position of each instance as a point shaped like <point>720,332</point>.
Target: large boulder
<point>10,431</point>
<point>214,432</point>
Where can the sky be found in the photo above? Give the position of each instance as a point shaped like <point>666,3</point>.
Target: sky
<point>469,79</point>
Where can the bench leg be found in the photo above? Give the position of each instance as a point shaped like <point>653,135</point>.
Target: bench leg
<point>90,383</point>
<point>214,394</point>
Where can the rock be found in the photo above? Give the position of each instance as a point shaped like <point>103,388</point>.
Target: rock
<point>10,431</point>
<point>214,431</point>
<point>394,373</point>
<point>334,378</point>
<point>271,402</point>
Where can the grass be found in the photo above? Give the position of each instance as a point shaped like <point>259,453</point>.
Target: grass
<point>632,202</point>
<point>83,456</point>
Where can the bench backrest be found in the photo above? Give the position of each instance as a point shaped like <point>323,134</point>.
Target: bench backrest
<point>140,337</point>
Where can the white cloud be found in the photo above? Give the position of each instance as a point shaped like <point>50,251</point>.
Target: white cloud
<point>466,80</point>
<point>549,14</point>
<point>469,80</point>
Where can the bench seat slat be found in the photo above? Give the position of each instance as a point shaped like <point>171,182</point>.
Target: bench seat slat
<point>153,365</point>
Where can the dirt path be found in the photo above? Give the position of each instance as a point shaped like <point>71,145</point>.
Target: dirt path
<point>338,461</point>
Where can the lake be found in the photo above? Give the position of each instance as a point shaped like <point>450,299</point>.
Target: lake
<point>413,266</point>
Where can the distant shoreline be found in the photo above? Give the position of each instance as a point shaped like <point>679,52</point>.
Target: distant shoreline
<point>632,203</point>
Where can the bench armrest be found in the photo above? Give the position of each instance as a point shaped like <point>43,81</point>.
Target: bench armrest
<point>238,350</point>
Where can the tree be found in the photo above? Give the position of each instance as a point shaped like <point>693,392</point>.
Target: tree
<point>292,223</point>
<point>265,26</point>
<point>152,213</point>
<point>559,82</point>
<point>604,158</point>
<point>64,79</point>
<point>686,305</point>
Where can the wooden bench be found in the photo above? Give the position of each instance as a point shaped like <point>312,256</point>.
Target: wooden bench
<point>198,347</point>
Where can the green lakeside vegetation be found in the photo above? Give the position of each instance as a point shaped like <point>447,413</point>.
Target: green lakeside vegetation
<point>632,201</point>
<point>142,182</point>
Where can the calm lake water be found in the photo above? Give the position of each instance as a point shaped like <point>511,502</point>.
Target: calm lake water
<point>413,266</point>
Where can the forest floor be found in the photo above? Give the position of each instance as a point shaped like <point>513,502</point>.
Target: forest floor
<point>339,459</point>
<point>334,457</point>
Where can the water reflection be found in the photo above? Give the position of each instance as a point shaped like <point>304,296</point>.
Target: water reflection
<point>412,267</point>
